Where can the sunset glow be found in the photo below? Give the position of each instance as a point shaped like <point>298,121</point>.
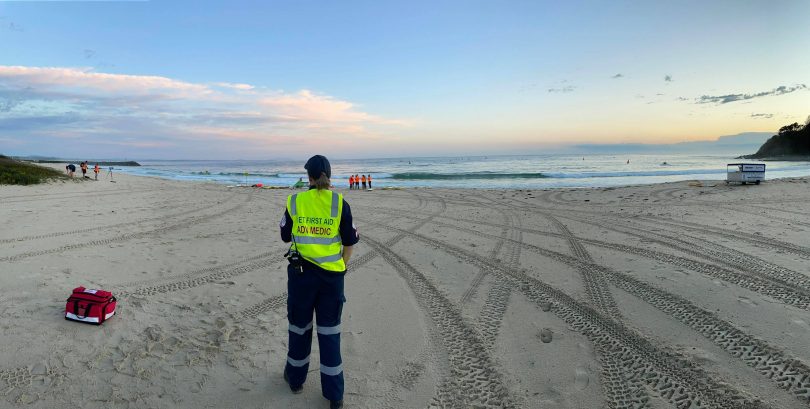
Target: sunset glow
<point>274,80</point>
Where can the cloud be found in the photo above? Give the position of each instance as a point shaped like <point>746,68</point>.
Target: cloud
<point>668,78</point>
<point>765,116</point>
<point>725,99</point>
<point>158,112</point>
<point>83,81</point>
<point>565,89</point>
<point>618,76</point>
<point>7,104</point>
<point>33,122</point>
<point>234,86</point>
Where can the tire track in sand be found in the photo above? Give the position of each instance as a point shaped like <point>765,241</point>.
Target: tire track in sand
<point>734,235</point>
<point>113,226</point>
<point>473,381</point>
<point>782,288</point>
<point>86,195</point>
<point>621,390</point>
<point>494,308</point>
<point>700,248</point>
<point>411,371</point>
<point>127,236</point>
<point>667,373</point>
<point>788,373</point>
<point>476,281</point>
<point>278,301</point>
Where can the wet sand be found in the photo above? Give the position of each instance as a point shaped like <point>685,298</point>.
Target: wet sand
<point>660,296</point>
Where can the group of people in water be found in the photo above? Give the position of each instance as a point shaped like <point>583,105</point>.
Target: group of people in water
<point>355,180</point>
<point>71,168</point>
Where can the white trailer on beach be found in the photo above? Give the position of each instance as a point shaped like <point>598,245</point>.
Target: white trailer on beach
<point>745,173</point>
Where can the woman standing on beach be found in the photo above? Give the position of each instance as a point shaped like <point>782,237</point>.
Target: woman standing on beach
<point>318,222</point>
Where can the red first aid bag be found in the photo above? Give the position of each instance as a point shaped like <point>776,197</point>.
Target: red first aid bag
<point>90,306</point>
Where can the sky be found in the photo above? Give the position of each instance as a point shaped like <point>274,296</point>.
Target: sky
<point>354,79</point>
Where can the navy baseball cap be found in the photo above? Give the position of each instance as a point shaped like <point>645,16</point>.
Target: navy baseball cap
<point>318,164</point>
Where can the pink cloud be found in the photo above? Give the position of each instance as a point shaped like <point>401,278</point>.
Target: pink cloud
<point>243,87</point>
<point>85,78</point>
<point>162,111</point>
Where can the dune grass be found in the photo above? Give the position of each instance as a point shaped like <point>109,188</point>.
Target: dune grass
<point>14,172</point>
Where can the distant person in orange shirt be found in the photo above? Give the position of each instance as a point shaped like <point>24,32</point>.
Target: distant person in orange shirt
<point>363,178</point>
<point>369,181</point>
<point>357,181</point>
<point>351,182</point>
<point>96,169</point>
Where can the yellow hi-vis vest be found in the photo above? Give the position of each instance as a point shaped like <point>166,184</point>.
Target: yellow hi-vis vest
<point>316,227</point>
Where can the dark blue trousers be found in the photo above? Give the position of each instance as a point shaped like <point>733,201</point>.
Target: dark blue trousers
<point>321,292</point>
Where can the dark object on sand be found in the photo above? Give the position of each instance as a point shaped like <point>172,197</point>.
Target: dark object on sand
<point>545,335</point>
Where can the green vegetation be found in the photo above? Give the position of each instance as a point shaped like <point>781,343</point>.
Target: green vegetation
<point>793,141</point>
<point>13,172</point>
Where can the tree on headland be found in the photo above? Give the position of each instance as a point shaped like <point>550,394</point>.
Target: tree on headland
<point>792,141</point>
<point>790,128</point>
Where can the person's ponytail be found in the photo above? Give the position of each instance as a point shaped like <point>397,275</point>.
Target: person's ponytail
<point>322,182</point>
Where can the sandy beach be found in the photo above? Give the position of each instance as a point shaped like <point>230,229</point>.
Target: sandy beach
<point>675,295</point>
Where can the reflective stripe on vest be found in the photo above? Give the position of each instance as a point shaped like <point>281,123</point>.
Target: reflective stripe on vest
<point>316,227</point>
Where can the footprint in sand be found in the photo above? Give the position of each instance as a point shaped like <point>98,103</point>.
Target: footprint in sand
<point>545,335</point>
<point>581,378</point>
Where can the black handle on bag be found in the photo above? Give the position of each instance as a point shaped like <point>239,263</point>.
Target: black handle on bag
<point>76,309</point>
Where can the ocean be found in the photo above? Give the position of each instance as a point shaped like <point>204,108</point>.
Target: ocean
<point>490,172</point>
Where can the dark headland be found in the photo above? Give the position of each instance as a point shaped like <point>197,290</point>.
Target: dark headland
<point>791,143</point>
<point>100,163</point>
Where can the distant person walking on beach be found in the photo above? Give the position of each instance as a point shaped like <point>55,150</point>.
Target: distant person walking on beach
<point>369,181</point>
<point>84,169</point>
<point>363,178</point>
<point>351,182</point>
<point>318,222</point>
<point>357,181</point>
<point>96,169</point>
<point>70,169</point>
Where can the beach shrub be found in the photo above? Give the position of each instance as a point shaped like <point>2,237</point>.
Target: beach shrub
<point>14,172</point>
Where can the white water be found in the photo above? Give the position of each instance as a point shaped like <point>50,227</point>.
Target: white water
<point>531,172</point>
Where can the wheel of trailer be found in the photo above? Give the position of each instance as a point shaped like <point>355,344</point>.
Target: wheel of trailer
<point>757,182</point>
